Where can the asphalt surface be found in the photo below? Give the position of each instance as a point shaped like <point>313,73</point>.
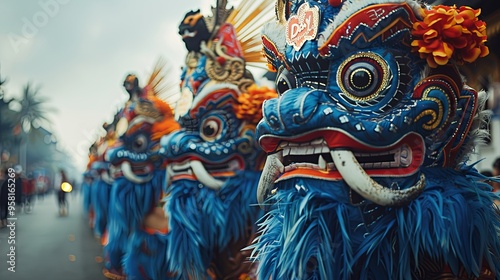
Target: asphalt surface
<point>49,246</point>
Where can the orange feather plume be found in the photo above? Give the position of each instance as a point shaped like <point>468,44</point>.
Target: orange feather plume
<point>167,124</point>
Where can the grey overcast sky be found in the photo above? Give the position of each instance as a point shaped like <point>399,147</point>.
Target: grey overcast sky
<point>79,52</point>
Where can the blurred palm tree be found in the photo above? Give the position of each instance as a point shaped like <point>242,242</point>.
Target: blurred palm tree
<point>25,130</point>
<point>33,112</point>
<point>7,137</point>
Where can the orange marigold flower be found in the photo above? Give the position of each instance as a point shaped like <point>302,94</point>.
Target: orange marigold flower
<point>449,33</point>
<point>250,103</point>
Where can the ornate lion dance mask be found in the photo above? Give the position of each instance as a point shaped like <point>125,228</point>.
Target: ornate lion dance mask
<point>367,143</point>
<point>214,162</point>
<point>139,172</point>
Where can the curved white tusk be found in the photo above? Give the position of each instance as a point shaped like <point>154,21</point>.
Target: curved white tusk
<point>272,169</point>
<point>130,175</point>
<point>106,178</point>
<point>357,179</point>
<point>204,177</point>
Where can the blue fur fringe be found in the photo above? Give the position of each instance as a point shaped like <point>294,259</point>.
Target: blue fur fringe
<point>100,201</point>
<point>86,189</point>
<point>129,204</point>
<point>312,233</point>
<point>202,220</point>
<point>145,257</point>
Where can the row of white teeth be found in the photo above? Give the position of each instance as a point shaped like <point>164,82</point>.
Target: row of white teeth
<point>402,156</point>
<point>321,165</point>
<point>351,171</point>
<point>305,150</point>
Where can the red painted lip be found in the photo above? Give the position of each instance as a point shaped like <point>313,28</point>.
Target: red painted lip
<point>336,139</point>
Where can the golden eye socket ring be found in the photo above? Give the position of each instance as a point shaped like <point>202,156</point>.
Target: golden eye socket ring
<point>363,76</point>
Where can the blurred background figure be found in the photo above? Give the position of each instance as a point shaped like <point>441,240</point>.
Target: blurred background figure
<point>488,174</point>
<point>29,191</point>
<point>18,170</point>
<point>4,192</point>
<point>61,193</point>
<point>3,198</point>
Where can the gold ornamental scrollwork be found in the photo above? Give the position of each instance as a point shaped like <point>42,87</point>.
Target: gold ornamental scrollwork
<point>221,67</point>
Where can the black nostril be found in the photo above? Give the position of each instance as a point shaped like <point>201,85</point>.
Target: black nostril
<point>270,113</point>
<point>274,122</point>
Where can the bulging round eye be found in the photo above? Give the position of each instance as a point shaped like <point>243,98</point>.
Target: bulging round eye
<point>140,143</point>
<point>211,129</point>
<point>285,81</point>
<point>363,76</point>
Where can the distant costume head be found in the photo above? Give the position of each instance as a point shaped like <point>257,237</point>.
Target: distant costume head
<point>213,161</point>
<point>140,128</point>
<point>137,168</point>
<point>193,30</point>
<point>131,85</point>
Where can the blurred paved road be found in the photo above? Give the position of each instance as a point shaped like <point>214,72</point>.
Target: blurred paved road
<point>52,247</point>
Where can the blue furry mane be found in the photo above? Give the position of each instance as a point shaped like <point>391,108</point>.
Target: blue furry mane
<point>129,205</point>
<point>131,202</point>
<point>86,197</point>
<point>100,201</point>
<point>145,257</point>
<point>313,231</point>
<point>202,220</point>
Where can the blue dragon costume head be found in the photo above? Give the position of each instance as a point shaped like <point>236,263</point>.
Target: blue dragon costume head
<point>213,161</point>
<point>367,143</point>
<point>138,170</point>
